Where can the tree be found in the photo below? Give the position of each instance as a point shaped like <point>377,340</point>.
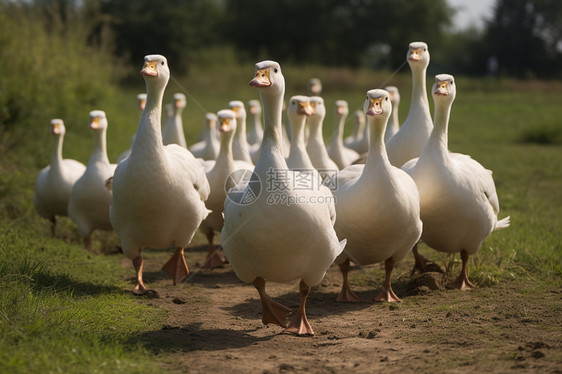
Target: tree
<point>526,37</point>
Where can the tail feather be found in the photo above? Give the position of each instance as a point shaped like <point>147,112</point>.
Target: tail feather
<point>502,223</point>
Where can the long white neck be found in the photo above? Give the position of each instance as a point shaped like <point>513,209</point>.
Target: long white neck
<point>376,154</point>
<point>419,91</point>
<point>100,147</point>
<point>225,153</point>
<point>337,136</point>
<point>297,131</point>
<point>438,140</point>
<point>315,126</point>
<point>272,117</point>
<point>149,133</point>
<point>56,156</point>
<point>240,128</point>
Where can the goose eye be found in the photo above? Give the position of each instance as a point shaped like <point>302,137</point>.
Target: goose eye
<point>275,70</point>
<point>386,98</point>
<point>425,49</point>
<point>162,63</point>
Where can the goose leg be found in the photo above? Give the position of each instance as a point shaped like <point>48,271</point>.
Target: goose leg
<point>176,266</point>
<point>462,281</point>
<point>272,311</point>
<point>299,324</point>
<point>346,294</point>
<point>53,221</point>
<point>213,259</point>
<point>420,264</point>
<point>386,293</point>
<point>139,289</point>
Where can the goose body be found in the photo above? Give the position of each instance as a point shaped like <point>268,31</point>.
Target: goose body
<point>394,123</point>
<point>240,146</point>
<point>268,238</point>
<point>54,182</point>
<point>158,191</point>
<point>337,151</point>
<point>89,201</point>
<point>297,112</point>
<point>459,204</point>
<point>315,146</point>
<point>410,139</point>
<point>377,205</point>
<point>208,148</point>
<point>173,132</point>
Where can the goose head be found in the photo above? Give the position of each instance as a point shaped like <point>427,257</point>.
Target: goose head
<point>211,121</point>
<point>341,109</point>
<point>359,118</point>
<point>57,127</point>
<point>377,104</point>
<point>156,71</point>
<point>315,86</point>
<point>444,89</point>
<point>299,106</point>
<point>254,107</point>
<point>179,101</point>
<point>141,99</point>
<point>393,94</point>
<point>318,108</point>
<point>98,120</point>
<point>269,79</point>
<point>238,108</point>
<point>418,55</point>
<point>227,121</point>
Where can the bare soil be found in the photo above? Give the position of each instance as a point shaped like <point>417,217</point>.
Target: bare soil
<point>214,324</point>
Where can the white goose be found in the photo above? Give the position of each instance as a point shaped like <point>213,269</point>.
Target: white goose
<point>208,148</point>
<point>270,238</point>
<point>459,204</point>
<point>409,141</point>
<point>55,181</point>
<point>221,178</point>
<point>255,133</point>
<point>315,146</point>
<point>89,201</point>
<point>159,191</point>
<point>173,133</point>
<point>394,124</point>
<point>359,140</point>
<point>339,153</point>
<point>141,102</point>
<point>377,205</point>
<point>240,146</point>
<point>297,112</point>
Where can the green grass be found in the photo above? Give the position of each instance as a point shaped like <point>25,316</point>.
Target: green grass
<point>66,310</point>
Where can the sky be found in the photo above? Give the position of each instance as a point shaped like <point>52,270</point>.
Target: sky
<point>471,12</point>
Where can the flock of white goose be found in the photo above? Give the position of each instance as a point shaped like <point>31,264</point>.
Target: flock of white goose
<point>394,186</point>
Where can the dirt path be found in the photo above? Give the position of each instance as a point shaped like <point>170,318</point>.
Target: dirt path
<point>214,325</point>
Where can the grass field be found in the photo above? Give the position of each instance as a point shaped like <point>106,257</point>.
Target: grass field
<point>65,310</point>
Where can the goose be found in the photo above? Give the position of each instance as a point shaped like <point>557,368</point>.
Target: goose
<point>394,124</point>
<point>315,146</point>
<point>141,102</point>
<point>221,178</point>
<point>158,191</point>
<point>341,155</point>
<point>173,133</point>
<point>208,148</point>
<point>377,206</point>
<point>458,200</point>
<point>359,140</point>
<point>54,182</point>
<point>266,238</point>
<point>410,139</point>
<point>314,87</point>
<point>297,112</point>
<point>168,117</point>
<point>255,134</point>
<point>89,201</point>
<point>240,146</point>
